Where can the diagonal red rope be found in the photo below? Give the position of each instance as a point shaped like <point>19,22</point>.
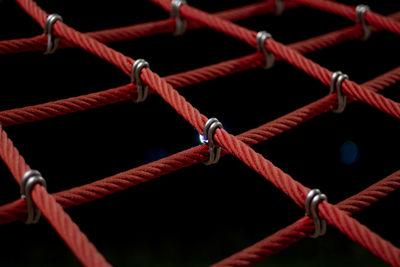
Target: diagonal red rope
<point>349,12</point>
<point>304,227</point>
<point>54,213</point>
<point>296,191</point>
<point>104,187</point>
<point>38,43</point>
<point>128,92</point>
<point>89,44</point>
<point>288,54</point>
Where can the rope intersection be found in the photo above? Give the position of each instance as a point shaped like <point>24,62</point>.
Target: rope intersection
<point>144,81</point>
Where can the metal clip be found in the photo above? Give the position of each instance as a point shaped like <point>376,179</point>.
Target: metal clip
<point>180,27</point>
<point>336,85</point>
<point>208,132</point>
<point>360,19</point>
<point>52,41</point>
<point>262,36</point>
<point>142,89</point>
<point>314,197</point>
<point>29,180</point>
<point>279,7</point>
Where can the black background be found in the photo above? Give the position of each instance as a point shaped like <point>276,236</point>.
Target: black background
<point>201,214</point>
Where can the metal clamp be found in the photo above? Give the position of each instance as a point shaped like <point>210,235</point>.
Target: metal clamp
<point>336,86</point>
<point>314,197</point>
<point>208,132</point>
<point>279,7</point>
<point>360,19</point>
<point>262,36</point>
<point>180,27</point>
<point>142,89</point>
<point>52,41</point>
<point>29,180</point>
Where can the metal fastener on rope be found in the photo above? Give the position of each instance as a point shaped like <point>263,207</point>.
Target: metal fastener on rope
<point>314,197</point>
<point>336,86</point>
<point>279,7</point>
<point>360,19</point>
<point>142,89</point>
<point>29,180</point>
<point>262,36</point>
<point>52,41</point>
<point>208,132</point>
<point>180,27</point>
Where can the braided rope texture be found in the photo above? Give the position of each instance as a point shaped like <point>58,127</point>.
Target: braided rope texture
<point>339,216</point>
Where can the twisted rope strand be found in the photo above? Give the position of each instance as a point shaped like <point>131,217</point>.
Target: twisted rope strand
<point>304,227</point>
<point>99,189</point>
<point>38,43</point>
<point>128,92</point>
<point>349,12</point>
<point>297,192</point>
<point>89,44</point>
<point>54,213</point>
<point>288,54</point>
<point>292,188</point>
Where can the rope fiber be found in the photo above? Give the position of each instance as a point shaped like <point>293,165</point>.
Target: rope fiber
<point>100,43</point>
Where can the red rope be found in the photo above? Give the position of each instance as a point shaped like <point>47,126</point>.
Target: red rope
<point>38,43</point>
<point>54,213</point>
<point>355,230</point>
<point>99,189</point>
<point>60,29</point>
<point>349,12</point>
<point>237,146</point>
<point>124,93</point>
<point>128,92</point>
<point>288,54</point>
<point>304,227</point>
<point>292,188</point>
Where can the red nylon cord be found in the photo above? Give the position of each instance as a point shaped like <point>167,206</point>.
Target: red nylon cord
<point>237,146</point>
<point>47,204</point>
<point>378,246</point>
<point>80,195</point>
<point>288,54</point>
<point>127,92</point>
<point>304,227</point>
<point>349,12</point>
<point>104,187</point>
<point>38,43</point>
<point>124,180</point>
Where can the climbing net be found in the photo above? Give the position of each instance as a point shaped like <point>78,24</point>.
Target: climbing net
<point>37,201</point>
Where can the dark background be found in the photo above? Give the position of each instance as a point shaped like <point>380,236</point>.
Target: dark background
<point>201,214</point>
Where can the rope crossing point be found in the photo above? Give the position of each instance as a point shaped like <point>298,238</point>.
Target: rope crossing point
<point>36,200</point>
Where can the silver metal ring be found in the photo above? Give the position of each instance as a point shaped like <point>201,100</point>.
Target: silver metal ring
<point>262,36</point>
<point>314,197</point>
<point>279,7</point>
<point>29,180</point>
<point>52,41</point>
<point>208,131</point>
<point>180,27</point>
<point>336,86</point>
<point>142,89</point>
<point>360,19</point>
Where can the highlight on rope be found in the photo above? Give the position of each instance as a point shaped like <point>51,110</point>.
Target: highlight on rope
<point>36,201</point>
